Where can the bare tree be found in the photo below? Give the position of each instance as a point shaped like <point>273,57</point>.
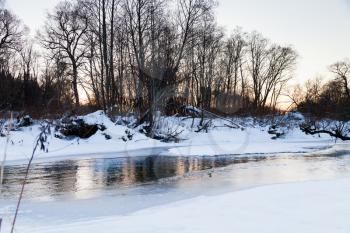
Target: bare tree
<point>64,35</point>
<point>11,32</point>
<point>207,51</point>
<point>138,22</point>
<point>234,52</point>
<point>269,67</point>
<point>159,45</point>
<point>29,58</point>
<point>325,99</point>
<point>231,68</point>
<point>106,34</point>
<point>342,71</point>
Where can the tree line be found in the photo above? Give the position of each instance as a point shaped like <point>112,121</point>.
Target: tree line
<point>326,97</point>
<point>140,56</point>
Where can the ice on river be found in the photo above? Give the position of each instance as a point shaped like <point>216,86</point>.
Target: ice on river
<point>310,207</point>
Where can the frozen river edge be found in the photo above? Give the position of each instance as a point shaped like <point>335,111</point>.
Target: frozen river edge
<point>219,140</point>
<point>296,207</point>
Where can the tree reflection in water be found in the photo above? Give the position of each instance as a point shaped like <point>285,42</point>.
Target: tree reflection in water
<point>82,176</point>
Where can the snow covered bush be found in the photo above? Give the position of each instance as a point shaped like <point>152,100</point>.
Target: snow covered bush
<point>24,122</point>
<point>82,127</point>
<point>168,129</point>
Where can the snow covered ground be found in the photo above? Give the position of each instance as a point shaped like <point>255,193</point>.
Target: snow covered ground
<point>219,140</point>
<point>305,207</point>
<point>309,207</point>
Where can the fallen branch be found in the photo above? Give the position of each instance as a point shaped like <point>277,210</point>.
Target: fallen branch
<point>312,130</point>
<point>237,126</point>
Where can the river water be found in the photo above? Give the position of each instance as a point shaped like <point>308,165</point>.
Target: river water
<point>95,178</point>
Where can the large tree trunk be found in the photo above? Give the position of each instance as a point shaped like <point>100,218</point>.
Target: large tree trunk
<point>105,54</point>
<point>114,90</point>
<point>75,85</point>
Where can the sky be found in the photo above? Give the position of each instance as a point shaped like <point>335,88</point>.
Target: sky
<point>318,29</point>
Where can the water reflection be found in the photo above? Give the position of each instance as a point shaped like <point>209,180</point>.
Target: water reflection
<point>82,176</point>
<point>87,178</point>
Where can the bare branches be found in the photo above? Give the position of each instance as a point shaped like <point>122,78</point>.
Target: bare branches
<point>11,31</point>
<point>328,98</point>
<point>64,35</point>
<point>338,130</point>
<point>140,54</point>
<point>342,71</point>
<point>39,145</point>
<point>269,66</point>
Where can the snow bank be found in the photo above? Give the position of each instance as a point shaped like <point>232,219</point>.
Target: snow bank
<point>253,138</point>
<point>21,142</point>
<point>312,207</point>
<point>220,139</point>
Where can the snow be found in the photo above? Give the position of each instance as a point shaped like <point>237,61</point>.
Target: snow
<point>249,141</point>
<point>305,207</point>
<point>219,140</point>
<point>309,207</point>
<point>21,142</point>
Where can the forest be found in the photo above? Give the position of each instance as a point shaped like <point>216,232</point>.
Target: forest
<point>148,56</point>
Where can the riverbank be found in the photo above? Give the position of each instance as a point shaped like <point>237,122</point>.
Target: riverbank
<point>220,139</point>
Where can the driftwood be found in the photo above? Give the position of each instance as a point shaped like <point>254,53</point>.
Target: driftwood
<point>234,125</point>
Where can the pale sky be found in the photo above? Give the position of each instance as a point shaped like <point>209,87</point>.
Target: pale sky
<point>318,29</point>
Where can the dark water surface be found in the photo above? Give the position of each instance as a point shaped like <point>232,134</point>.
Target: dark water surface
<point>80,179</point>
